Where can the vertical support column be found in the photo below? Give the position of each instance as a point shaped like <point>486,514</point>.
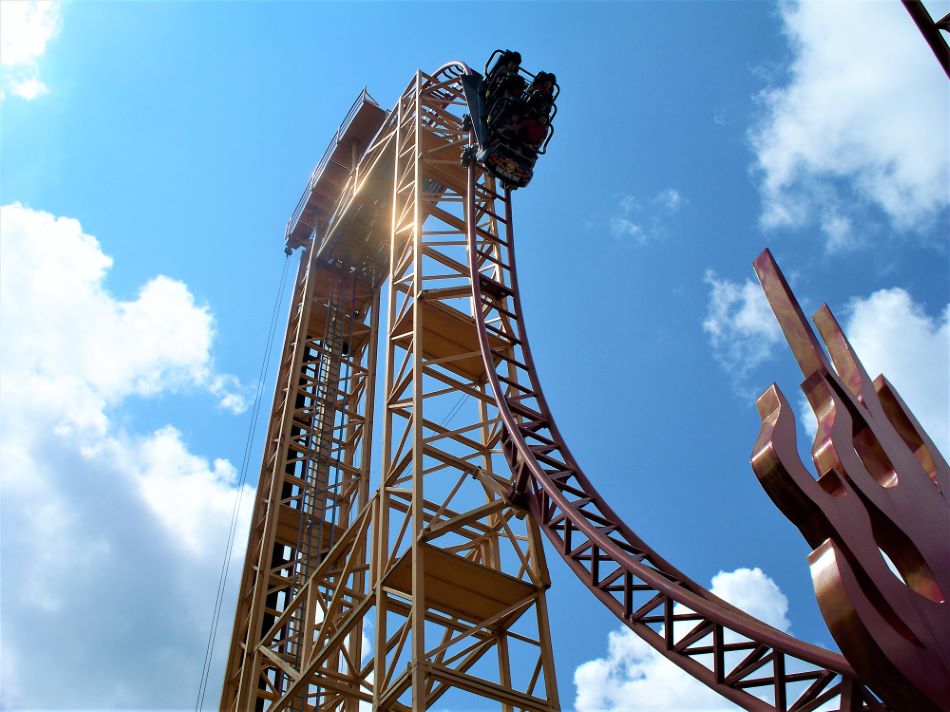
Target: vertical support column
<point>314,483</point>
<point>455,581</point>
<point>257,589</point>
<point>418,417</point>
<point>457,571</point>
<point>397,428</point>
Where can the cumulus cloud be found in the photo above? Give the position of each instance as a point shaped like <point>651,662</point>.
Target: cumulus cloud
<point>860,123</point>
<point>645,221</point>
<point>669,199</point>
<point>111,538</point>
<point>633,676</point>
<point>26,27</point>
<point>67,332</point>
<point>894,335</point>
<point>739,324</point>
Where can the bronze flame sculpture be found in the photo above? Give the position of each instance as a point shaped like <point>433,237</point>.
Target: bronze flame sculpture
<point>881,497</point>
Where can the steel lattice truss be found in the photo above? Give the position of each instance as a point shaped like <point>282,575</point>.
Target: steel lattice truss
<point>437,582</point>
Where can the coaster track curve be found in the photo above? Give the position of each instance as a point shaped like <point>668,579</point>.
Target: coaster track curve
<point>722,646</point>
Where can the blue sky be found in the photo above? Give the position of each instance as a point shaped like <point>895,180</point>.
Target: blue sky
<point>689,136</point>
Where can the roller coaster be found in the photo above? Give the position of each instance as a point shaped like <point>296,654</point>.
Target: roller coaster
<point>432,589</point>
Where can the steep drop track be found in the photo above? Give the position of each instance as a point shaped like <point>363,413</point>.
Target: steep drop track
<point>741,658</point>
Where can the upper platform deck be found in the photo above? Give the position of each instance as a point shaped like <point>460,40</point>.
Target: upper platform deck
<point>326,183</point>
<point>348,199</point>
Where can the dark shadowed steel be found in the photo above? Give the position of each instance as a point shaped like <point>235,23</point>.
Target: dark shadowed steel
<point>932,31</point>
<point>877,516</point>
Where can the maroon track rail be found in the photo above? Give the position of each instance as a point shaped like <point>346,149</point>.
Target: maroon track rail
<point>743,659</point>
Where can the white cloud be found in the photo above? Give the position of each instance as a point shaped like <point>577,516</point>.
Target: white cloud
<point>739,324</point>
<point>26,27</point>
<point>893,335</point>
<point>861,122</point>
<point>838,231</point>
<point>625,227</point>
<point>29,88</point>
<point>111,539</point>
<point>669,199</point>
<point>65,331</point>
<point>633,676</point>
<point>641,225</point>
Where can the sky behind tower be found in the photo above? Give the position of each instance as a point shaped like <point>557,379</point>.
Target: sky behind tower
<point>151,155</point>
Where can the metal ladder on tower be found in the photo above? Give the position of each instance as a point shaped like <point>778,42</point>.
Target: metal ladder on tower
<point>316,523</point>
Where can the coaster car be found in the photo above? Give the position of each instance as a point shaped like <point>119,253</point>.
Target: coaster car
<point>512,167</point>
<point>511,114</point>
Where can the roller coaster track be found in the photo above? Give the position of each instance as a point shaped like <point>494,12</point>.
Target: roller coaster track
<point>286,656</point>
<point>743,659</point>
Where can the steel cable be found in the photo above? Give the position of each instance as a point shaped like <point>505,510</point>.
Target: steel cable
<point>252,427</point>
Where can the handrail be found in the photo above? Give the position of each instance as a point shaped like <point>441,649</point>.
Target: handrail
<point>363,98</point>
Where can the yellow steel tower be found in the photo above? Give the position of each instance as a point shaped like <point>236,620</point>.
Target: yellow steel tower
<point>432,587</point>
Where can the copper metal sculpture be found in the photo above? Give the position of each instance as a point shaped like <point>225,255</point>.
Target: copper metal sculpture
<point>882,496</point>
